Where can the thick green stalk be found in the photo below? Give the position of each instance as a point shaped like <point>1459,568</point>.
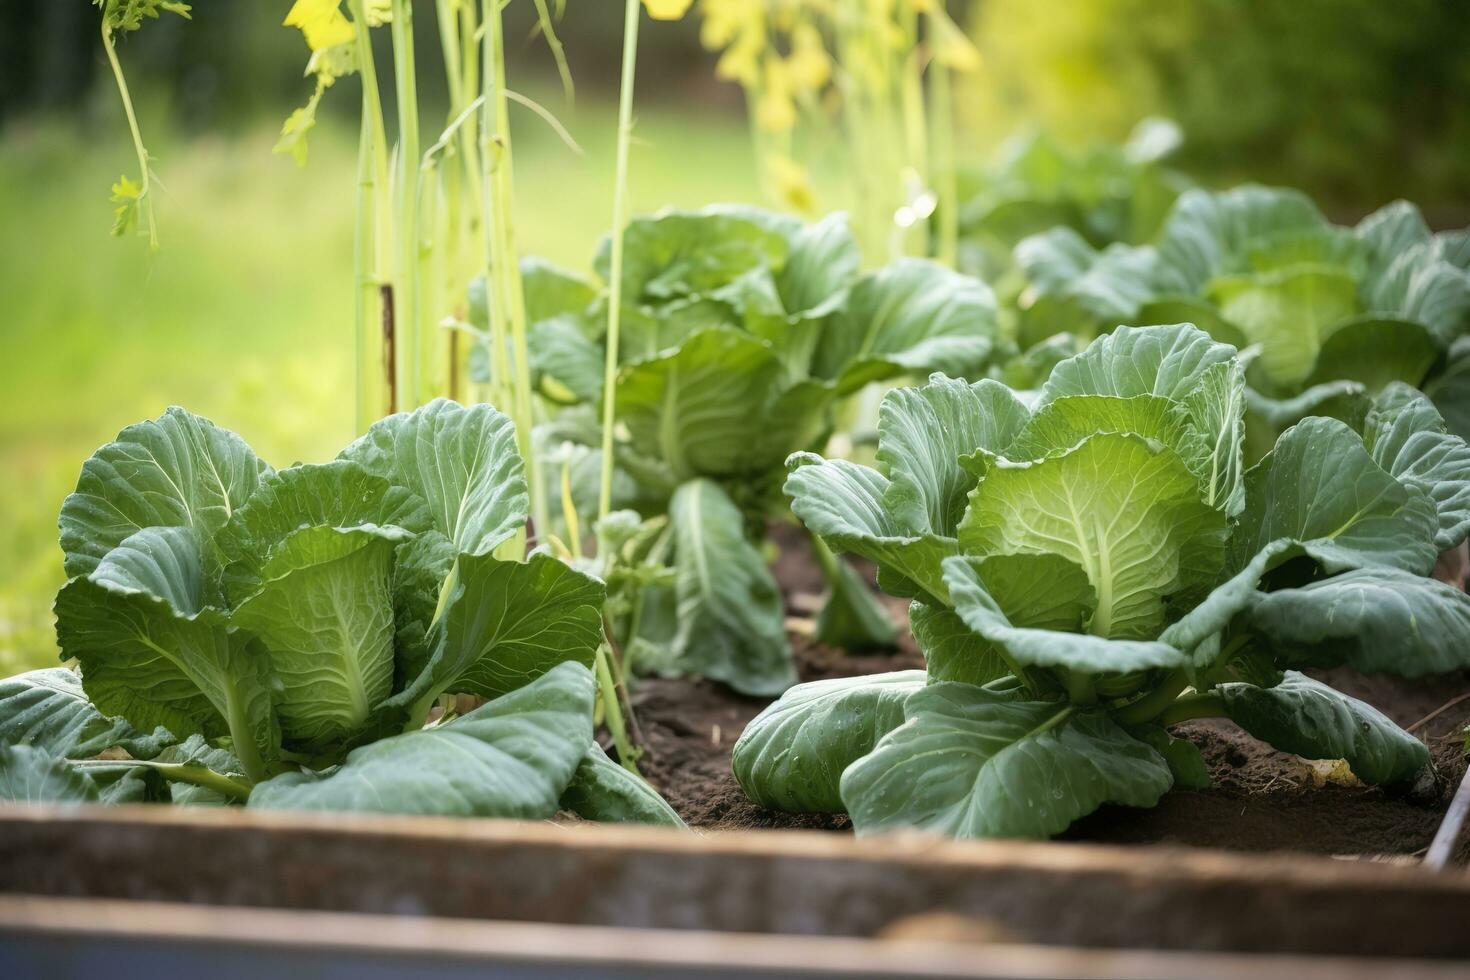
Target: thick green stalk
<point>615,271</point>
<point>613,711</point>
<point>945,173</point>
<point>494,297</point>
<point>1156,701</point>
<point>145,203</point>
<point>405,285</point>
<point>506,265</point>
<point>1193,706</point>
<point>373,230</point>
<point>180,772</point>
<point>367,317</point>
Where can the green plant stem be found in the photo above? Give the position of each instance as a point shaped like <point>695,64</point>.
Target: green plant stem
<point>504,267</point>
<point>613,709</point>
<point>1210,705</point>
<point>945,169</point>
<point>1151,704</point>
<point>373,381</point>
<point>243,739</point>
<point>499,346</point>
<point>1080,688</point>
<point>194,775</point>
<point>1052,722</point>
<point>405,286</point>
<point>366,316</point>
<point>145,204</point>
<point>615,271</point>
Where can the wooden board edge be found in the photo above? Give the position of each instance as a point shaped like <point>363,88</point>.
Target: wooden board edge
<point>1148,862</point>
<point>594,950</point>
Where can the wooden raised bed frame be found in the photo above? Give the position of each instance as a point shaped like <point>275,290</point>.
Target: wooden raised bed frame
<point>84,881</point>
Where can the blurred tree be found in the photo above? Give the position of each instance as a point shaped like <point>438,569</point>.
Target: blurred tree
<point>1357,101</point>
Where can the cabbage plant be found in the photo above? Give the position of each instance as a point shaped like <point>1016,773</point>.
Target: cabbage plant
<point>1106,193</point>
<point>1326,316</point>
<point>1093,570</point>
<point>282,637</point>
<point>740,331</point>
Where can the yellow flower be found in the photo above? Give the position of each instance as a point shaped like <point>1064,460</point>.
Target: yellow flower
<point>792,184</point>
<point>775,112</point>
<point>741,60</point>
<point>321,21</point>
<point>809,65</point>
<point>951,47</point>
<point>667,9</point>
<point>724,20</point>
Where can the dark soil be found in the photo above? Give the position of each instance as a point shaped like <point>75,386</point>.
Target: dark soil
<point>1261,800</point>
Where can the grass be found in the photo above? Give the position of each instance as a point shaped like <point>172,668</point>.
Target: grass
<point>245,315</point>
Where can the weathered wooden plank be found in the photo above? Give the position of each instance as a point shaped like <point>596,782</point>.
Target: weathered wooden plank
<point>778,883</point>
<point>63,938</point>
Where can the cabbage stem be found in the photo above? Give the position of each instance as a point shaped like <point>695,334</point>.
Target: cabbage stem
<point>1193,706</point>
<point>1151,704</point>
<point>193,775</point>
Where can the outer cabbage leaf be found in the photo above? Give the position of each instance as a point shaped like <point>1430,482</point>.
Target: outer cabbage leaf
<point>952,650</point>
<point>923,432</point>
<point>1390,231</point>
<point>179,470</point>
<point>461,461</point>
<point>567,365</point>
<point>675,254</point>
<point>852,618</point>
<point>604,791</point>
<point>1310,719</point>
<point>156,658</point>
<point>913,315</point>
<point>29,774</point>
<point>47,709</point>
<point>843,503</point>
<point>1374,352</point>
<point>1110,285</point>
<point>1320,487</point>
<point>970,763</point>
<point>824,261</point>
<point>791,757</point>
<point>505,623</point>
<point>551,293</point>
<point>512,757</point>
<point>731,621</point>
<point>1407,437</point>
<point>1450,390</point>
<point>710,407</point>
<point>1421,286</point>
<point>196,751</point>
<point>1209,233</point>
<point>1380,620</point>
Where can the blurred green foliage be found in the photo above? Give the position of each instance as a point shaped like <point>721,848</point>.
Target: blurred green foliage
<point>1356,101</point>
